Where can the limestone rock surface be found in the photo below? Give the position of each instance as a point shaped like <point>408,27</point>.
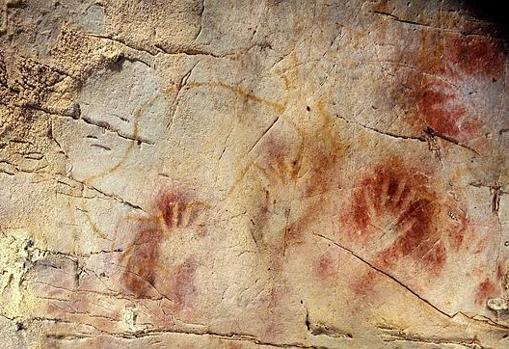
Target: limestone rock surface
<point>253,174</point>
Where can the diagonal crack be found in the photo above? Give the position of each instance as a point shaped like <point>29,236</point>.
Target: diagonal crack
<point>384,273</point>
<point>397,19</point>
<point>125,43</point>
<point>182,84</point>
<point>266,131</point>
<point>384,133</point>
<point>436,28</point>
<point>109,195</point>
<point>427,137</point>
<point>433,133</point>
<point>202,9</point>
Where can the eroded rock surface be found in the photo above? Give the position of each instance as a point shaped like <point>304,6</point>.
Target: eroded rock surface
<point>253,174</point>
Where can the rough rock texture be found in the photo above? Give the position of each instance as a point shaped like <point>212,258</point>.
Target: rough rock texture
<point>253,174</point>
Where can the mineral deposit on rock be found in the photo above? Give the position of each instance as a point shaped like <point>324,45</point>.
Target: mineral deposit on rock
<point>242,174</point>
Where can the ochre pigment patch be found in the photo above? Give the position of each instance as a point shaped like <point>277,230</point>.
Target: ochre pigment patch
<point>436,82</point>
<point>474,55</point>
<point>144,276</point>
<point>485,290</point>
<point>183,286</point>
<point>140,274</point>
<point>325,267</point>
<point>396,217</point>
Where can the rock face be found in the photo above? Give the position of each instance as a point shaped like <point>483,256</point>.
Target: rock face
<point>253,174</point>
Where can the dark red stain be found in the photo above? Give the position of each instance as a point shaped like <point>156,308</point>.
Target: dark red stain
<point>437,105</point>
<point>143,276</point>
<point>435,79</point>
<point>140,272</point>
<point>485,290</point>
<point>364,285</point>
<point>183,283</point>
<point>175,209</point>
<point>394,204</point>
<point>281,166</point>
<point>501,273</point>
<point>475,55</point>
<point>324,267</point>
